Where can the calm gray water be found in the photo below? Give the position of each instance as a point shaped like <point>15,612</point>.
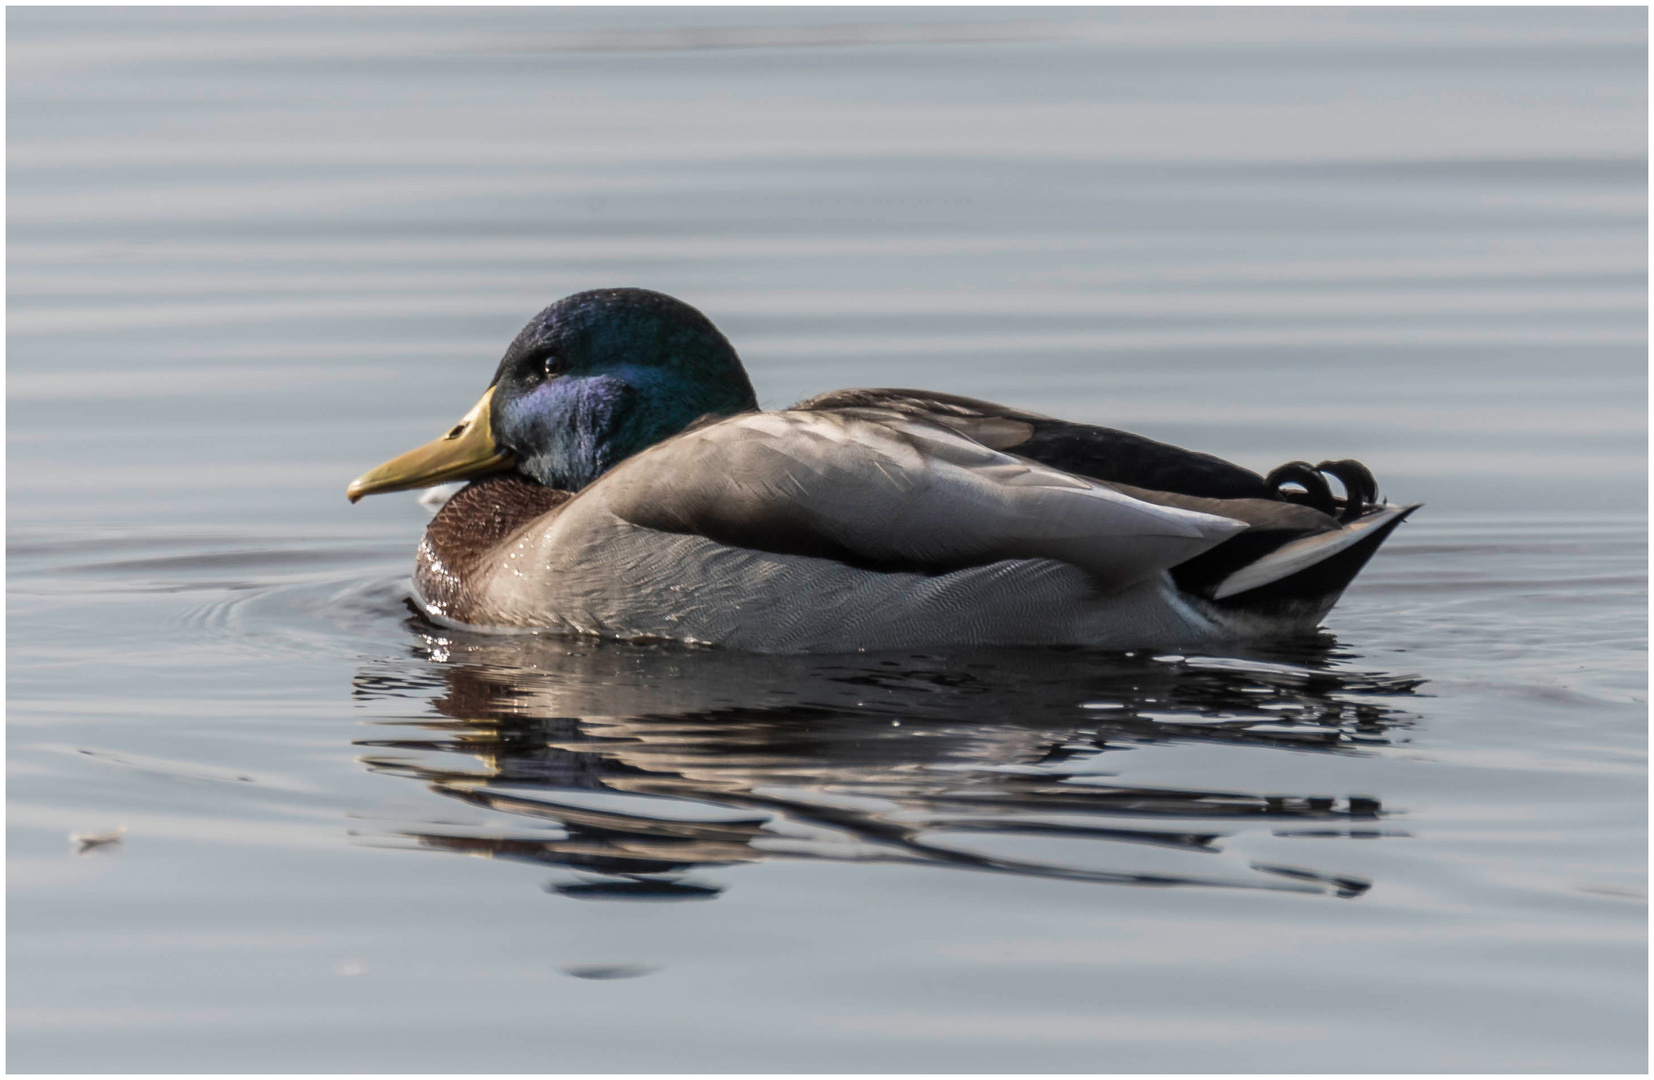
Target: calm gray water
<point>252,252</point>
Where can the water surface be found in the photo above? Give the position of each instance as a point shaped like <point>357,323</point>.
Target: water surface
<point>252,252</point>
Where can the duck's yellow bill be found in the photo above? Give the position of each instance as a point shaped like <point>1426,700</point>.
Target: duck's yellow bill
<point>468,449</point>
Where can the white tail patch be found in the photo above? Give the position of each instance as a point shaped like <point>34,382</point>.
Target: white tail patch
<point>1289,559</point>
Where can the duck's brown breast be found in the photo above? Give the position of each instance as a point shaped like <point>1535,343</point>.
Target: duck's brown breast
<point>475,521</point>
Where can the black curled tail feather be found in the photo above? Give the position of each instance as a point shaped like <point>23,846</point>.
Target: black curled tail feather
<point>1316,491</point>
<point>1360,489</point>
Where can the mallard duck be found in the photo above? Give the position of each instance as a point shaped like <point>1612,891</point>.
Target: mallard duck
<point>624,483</point>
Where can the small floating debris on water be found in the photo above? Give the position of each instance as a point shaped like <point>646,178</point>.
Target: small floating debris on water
<point>607,971</point>
<point>85,842</point>
<point>348,968</point>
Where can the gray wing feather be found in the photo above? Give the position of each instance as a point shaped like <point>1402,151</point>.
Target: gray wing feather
<point>877,488</point>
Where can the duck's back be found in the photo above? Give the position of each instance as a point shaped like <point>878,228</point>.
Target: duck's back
<point>1100,453</point>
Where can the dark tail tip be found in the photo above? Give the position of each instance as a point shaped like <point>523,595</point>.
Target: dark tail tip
<point>1318,586</point>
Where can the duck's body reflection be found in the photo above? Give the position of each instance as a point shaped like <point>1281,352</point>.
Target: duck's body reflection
<point>630,767</point>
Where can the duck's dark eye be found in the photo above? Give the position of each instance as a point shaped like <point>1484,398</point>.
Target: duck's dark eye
<point>543,363</point>
<point>552,362</point>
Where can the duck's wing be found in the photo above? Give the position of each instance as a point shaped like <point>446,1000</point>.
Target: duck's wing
<point>1298,546</point>
<point>1083,449</point>
<point>1295,542</point>
<point>887,490</point>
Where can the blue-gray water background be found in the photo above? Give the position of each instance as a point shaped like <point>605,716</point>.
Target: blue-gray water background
<point>252,252</point>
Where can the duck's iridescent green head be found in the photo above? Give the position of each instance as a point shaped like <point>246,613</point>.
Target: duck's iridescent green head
<point>598,376</point>
<point>591,380</point>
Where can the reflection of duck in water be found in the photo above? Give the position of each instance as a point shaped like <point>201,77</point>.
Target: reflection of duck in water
<point>637,765</point>
<point>628,488</point>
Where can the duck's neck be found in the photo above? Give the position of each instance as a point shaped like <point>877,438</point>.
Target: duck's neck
<point>569,431</point>
<point>472,524</point>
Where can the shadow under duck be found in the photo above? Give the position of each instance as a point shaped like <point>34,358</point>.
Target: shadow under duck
<point>626,485</point>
